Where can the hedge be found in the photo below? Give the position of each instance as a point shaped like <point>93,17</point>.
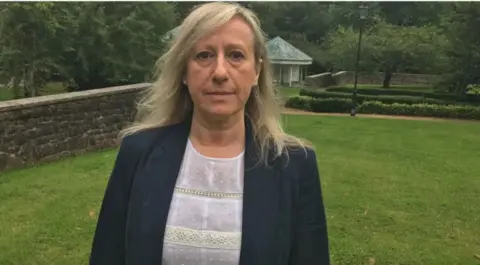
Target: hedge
<point>340,105</point>
<point>381,98</point>
<point>404,92</point>
<point>319,104</point>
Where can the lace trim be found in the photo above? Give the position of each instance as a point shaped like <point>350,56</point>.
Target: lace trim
<point>202,239</point>
<point>208,193</point>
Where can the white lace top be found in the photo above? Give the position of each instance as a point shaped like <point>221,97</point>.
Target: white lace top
<point>205,219</point>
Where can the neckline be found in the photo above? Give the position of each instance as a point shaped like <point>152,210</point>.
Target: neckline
<point>197,153</point>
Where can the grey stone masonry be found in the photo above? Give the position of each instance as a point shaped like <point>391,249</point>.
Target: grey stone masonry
<point>47,128</point>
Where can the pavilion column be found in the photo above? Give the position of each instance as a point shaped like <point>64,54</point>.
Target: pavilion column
<point>281,76</point>
<point>300,76</point>
<point>290,77</point>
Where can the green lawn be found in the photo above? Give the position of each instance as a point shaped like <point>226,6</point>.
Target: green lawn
<point>49,89</point>
<point>286,92</point>
<point>400,192</point>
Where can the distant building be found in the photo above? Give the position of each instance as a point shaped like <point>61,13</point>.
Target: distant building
<point>289,63</point>
<point>170,34</point>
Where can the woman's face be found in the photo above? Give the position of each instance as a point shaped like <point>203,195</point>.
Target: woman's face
<point>222,70</point>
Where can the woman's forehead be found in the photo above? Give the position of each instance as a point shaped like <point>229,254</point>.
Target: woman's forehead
<point>235,32</point>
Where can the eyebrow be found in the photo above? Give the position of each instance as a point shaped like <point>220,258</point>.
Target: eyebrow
<point>233,45</point>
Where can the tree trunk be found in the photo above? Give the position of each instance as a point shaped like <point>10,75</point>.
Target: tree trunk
<point>31,82</point>
<point>387,79</point>
<point>24,83</point>
<point>30,87</point>
<point>14,85</point>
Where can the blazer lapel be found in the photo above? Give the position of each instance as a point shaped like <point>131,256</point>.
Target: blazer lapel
<point>260,205</point>
<point>156,184</point>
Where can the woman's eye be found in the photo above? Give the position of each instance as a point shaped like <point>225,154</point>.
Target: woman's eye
<point>236,55</point>
<point>204,55</point>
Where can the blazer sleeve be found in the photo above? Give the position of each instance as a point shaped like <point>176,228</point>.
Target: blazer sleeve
<point>108,245</point>
<point>310,244</point>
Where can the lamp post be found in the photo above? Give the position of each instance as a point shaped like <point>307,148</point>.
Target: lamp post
<point>363,13</point>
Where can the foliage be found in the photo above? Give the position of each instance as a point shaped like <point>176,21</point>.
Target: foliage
<point>388,48</point>
<point>402,92</point>
<point>27,43</point>
<point>334,105</point>
<point>389,99</point>
<point>341,105</point>
<point>126,35</point>
<point>96,44</point>
<point>88,44</point>
<point>473,89</point>
<point>423,110</point>
<point>461,29</point>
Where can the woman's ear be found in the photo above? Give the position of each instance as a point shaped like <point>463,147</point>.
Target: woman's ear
<point>258,70</point>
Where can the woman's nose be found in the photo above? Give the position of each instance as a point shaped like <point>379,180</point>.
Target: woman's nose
<point>220,72</point>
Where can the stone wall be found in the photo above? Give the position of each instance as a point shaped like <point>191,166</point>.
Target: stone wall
<point>348,77</point>
<point>43,129</point>
<point>376,78</point>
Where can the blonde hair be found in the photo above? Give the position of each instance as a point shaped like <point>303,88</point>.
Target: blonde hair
<point>167,101</point>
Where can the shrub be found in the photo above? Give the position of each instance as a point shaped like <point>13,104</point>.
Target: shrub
<point>473,89</point>
<point>381,98</point>
<point>404,92</point>
<point>341,105</point>
<point>319,105</point>
<point>425,110</point>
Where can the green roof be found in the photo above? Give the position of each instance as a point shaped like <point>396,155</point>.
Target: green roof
<point>280,50</point>
<point>171,33</point>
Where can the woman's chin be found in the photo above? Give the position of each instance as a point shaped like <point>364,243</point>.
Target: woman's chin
<point>223,111</point>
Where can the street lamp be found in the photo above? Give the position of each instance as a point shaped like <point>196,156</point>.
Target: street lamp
<point>363,13</point>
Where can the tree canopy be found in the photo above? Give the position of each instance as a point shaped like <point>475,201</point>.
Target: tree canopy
<point>96,44</point>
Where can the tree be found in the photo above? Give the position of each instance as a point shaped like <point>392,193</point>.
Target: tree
<point>86,44</point>
<point>114,43</point>
<point>461,29</point>
<point>27,35</point>
<point>388,48</point>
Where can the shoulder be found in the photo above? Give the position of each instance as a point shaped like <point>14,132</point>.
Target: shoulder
<point>144,139</point>
<point>301,157</point>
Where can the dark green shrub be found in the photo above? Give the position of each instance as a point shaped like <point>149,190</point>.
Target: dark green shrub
<point>332,105</point>
<point>381,98</point>
<point>299,102</point>
<point>424,110</point>
<point>404,92</point>
<point>473,89</point>
<point>341,105</point>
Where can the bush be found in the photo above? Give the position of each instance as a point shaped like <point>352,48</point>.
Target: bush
<point>424,110</point>
<point>341,105</point>
<point>415,93</point>
<point>381,98</point>
<point>335,105</point>
<point>473,89</point>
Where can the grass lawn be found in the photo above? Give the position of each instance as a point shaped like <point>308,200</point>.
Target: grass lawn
<point>286,92</point>
<point>400,192</point>
<point>49,89</point>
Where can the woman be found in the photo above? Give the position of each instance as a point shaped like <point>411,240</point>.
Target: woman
<point>207,175</point>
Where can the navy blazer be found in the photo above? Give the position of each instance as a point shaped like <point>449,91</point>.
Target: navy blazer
<point>283,214</point>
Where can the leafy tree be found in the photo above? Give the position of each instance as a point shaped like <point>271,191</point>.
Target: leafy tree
<point>27,44</point>
<point>388,48</point>
<point>87,44</point>
<point>409,14</point>
<point>115,43</point>
<point>461,29</point>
